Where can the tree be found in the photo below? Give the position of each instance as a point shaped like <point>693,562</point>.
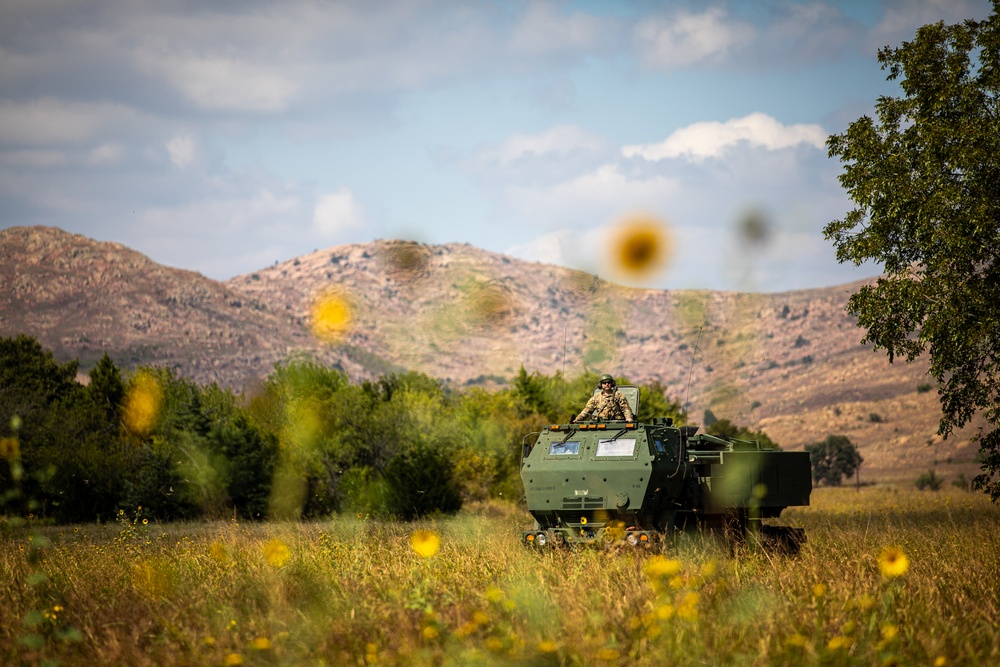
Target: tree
<point>833,459</point>
<point>925,180</point>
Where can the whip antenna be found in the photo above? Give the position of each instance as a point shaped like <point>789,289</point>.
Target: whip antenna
<point>687,390</point>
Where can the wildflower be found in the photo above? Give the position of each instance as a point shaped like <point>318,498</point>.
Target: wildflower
<point>142,404</point>
<point>819,590</point>
<point>889,632</point>
<point>838,643</point>
<point>547,646</point>
<point>658,566</point>
<point>371,654</point>
<point>429,632</point>
<point>665,612</point>
<point>640,247</point>
<point>233,659</point>
<point>480,617</point>
<point>494,645</point>
<point>796,640</point>
<point>331,316</point>
<point>607,654</point>
<point>261,643</point>
<point>276,553</point>
<point>940,661</point>
<point>494,595</point>
<point>893,562</point>
<point>425,542</point>
<point>145,522</point>
<point>865,602</point>
<point>709,569</point>
<point>208,641</point>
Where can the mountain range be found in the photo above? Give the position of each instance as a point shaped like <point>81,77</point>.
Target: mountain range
<point>790,364</point>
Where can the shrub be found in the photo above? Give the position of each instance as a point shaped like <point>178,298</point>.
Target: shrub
<point>420,481</point>
<point>929,480</point>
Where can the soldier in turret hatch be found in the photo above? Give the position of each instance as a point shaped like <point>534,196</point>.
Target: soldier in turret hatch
<point>609,405</point>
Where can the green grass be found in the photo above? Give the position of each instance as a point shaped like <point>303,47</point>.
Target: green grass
<point>354,591</point>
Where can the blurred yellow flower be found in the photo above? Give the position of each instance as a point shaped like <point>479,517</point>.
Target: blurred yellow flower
<point>607,654</point>
<point>494,645</point>
<point>893,562</point>
<point>547,646</point>
<point>940,661</point>
<point>261,644</point>
<point>889,632</point>
<point>494,594</point>
<point>659,566</point>
<point>665,612</point>
<point>330,316</point>
<point>233,659</point>
<point>480,617</point>
<point>429,632</point>
<point>640,246</point>
<point>797,640</point>
<point>143,403</point>
<point>819,590</point>
<point>838,643</point>
<point>276,553</point>
<point>10,448</point>
<point>425,542</point>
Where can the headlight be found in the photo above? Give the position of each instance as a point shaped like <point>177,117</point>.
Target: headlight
<point>632,539</point>
<point>541,539</point>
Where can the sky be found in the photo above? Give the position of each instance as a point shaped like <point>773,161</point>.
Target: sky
<point>225,136</point>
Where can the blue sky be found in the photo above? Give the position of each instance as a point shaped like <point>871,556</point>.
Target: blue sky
<point>222,137</point>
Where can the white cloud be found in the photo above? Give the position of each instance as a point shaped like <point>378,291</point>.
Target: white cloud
<point>217,83</point>
<point>183,150</point>
<point>575,249</point>
<point>543,29</point>
<point>50,121</point>
<point>560,140</point>
<point>711,139</point>
<point>669,42</point>
<point>106,154</point>
<point>337,213</point>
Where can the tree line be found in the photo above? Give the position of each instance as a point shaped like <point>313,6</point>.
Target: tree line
<point>306,443</point>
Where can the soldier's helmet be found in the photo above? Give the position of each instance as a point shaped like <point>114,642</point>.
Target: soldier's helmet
<point>607,378</point>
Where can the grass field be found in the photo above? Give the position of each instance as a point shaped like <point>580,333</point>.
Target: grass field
<point>888,576</point>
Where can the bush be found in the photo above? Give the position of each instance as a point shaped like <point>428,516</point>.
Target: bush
<point>420,482</point>
<point>929,480</point>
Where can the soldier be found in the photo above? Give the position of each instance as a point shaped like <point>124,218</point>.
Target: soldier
<point>609,405</point>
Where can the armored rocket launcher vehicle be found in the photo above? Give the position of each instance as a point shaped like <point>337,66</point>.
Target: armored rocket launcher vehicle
<point>633,482</point>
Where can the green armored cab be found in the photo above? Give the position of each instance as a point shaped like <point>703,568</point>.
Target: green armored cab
<point>608,481</point>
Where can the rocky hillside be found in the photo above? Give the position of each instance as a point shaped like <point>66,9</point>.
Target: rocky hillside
<point>788,363</point>
<point>80,298</point>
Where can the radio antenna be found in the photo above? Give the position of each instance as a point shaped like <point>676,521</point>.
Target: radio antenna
<point>564,352</point>
<point>687,390</point>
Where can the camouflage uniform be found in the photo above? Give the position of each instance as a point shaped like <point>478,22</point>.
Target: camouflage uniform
<point>607,407</point>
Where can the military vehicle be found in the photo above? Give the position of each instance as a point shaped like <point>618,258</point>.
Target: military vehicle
<point>632,482</point>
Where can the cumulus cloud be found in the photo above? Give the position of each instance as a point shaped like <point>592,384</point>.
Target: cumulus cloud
<point>183,150</point>
<point>670,42</point>
<point>712,139</point>
<point>337,213</point>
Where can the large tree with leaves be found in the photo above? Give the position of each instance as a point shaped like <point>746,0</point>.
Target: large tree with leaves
<point>924,176</point>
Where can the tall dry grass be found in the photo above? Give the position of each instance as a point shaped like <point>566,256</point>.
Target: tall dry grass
<point>888,576</point>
